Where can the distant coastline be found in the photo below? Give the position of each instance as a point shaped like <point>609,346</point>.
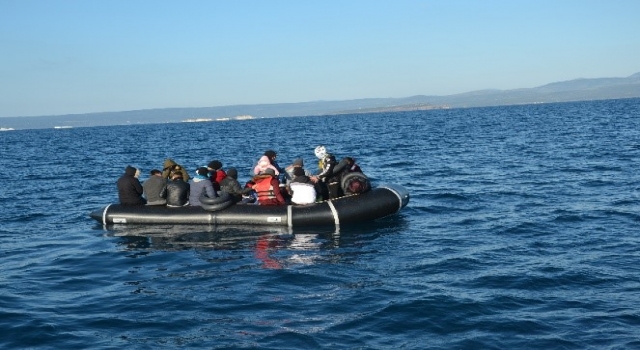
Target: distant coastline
<point>566,91</point>
<point>201,120</point>
<point>403,108</point>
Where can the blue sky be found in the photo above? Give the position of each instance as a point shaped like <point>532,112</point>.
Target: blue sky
<point>68,56</point>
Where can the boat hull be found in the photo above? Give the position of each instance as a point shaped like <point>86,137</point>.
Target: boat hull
<point>379,202</point>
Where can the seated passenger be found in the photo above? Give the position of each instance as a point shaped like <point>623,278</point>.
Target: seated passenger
<point>267,188</point>
<point>298,163</point>
<point>200,184</point>
<point>231,185</point>
<point>129,187</point>
<point>217,174</point>
<point>170,167</point>
<point>176,191</point>
<point>302,188</point>
<point>152,188</point>
<point>330,186</point>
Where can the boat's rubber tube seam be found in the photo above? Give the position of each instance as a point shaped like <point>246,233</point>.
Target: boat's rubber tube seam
<point>104,215</point>
<point>336,218</point>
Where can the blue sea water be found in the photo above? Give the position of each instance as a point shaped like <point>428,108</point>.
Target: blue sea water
<point>522,232</point>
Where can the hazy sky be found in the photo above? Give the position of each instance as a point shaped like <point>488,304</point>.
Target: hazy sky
<point>66,56</point>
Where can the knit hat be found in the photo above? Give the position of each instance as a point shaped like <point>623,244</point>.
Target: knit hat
<point>269,171</point>
<point>232,173</point>
<point>298,162</point>
<point>297,171</point>
<point>215,164</point>
<point>203,171</point>
<point>270,153</point>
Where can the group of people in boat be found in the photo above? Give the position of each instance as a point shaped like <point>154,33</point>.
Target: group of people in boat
<point>271,185</point>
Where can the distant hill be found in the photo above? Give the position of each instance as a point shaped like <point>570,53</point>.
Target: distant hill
<point>565,91</point>
<point>572,90</point>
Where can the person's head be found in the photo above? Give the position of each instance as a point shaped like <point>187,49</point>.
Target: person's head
<point>131,171</point>
<point>298,171</point>
<point>320,152</point>
<point>215,165</point>
<point>168,164</point>
<point>232,173</point>
<point>155,172</point>
<point>269,171</point>
<point>298,162</point>
<point>176,175</point>
<point>271,154</point>
<point>202,171</point>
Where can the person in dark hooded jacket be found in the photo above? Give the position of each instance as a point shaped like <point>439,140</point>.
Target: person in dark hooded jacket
<point>231,185</point>
<point>129,187</point>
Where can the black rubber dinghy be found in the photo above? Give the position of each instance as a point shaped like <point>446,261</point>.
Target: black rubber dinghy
<point>379,202</point>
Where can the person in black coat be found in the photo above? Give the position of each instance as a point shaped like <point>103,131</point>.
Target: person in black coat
<point>231,185</point>
<point>176,191</point>
<point>129,187</point>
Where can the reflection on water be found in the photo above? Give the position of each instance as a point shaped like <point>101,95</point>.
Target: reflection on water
<point>273,247</point>
<point>182,237</point>
<point>264,242</point>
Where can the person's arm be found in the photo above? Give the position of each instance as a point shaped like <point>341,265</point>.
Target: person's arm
<point>344,164</point>
<point>235,188</point>
<point>208,187</point>
<point>276,191</point>
<point>138,186</point>
<point>327,167</point>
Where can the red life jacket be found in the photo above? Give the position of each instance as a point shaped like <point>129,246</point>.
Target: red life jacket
<point>220,175</point>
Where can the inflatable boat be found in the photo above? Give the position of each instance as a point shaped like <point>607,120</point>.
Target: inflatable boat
<point>379,202</point>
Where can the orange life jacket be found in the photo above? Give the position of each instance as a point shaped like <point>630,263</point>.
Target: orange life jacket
<point>264,189</point>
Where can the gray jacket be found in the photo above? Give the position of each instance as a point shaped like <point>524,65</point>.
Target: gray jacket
<point>197,188</point>
<point>152,188</point>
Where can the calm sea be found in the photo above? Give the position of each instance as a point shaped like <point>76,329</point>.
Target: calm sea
<point>522,232</point>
